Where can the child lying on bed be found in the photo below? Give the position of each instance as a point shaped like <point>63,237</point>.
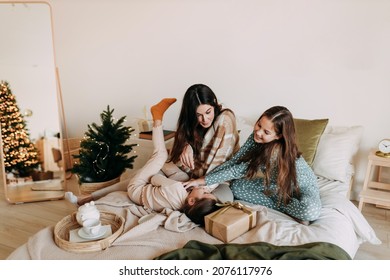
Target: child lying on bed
<point>269,170</point>
<point>150,188</point>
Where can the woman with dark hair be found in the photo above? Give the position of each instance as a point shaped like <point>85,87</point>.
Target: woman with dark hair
<point>269,169</point>
<point>206,135</point>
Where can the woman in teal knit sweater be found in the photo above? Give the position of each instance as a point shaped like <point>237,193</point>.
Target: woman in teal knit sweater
<point>269,170</point>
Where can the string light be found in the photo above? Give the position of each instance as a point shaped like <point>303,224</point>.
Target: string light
<point>98,169</point>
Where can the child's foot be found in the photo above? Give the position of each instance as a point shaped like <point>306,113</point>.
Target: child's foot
<point>69,196</point>
<point>77,200</point>
<point>159,109</point>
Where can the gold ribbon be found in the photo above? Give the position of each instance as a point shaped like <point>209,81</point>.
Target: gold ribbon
<point>226,206</point>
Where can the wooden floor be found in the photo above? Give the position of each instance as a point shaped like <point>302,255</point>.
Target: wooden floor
<point>379,219</point>
<point>19,222</point>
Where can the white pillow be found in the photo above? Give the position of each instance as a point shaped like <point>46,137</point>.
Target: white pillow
<point>245,129</point>
<point>335,152</point>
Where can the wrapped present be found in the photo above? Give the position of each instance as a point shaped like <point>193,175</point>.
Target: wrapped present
<point>229,222</point>
<point>145,125</point>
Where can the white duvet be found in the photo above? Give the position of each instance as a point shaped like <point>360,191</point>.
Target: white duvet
<point>340,223</point>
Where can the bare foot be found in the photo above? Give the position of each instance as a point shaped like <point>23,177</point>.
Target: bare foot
<point>78,200</point>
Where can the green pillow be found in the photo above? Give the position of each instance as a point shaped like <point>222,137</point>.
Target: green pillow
<point>308,133</point>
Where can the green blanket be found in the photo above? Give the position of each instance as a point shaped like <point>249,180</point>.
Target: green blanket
<point>196,250</point>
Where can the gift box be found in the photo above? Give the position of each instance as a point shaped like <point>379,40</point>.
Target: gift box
<point>229,222</point>
<point>145,125</point>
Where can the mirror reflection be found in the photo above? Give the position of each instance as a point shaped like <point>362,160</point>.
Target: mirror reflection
<point>31,155</point>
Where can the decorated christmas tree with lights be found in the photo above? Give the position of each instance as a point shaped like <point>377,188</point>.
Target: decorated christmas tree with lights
<point>20,154</point>
<point>104,154</point>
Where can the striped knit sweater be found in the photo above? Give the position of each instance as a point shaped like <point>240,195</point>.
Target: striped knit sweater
<point>220,142</point>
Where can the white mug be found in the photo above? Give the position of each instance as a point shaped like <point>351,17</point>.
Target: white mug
<point>92,226</point>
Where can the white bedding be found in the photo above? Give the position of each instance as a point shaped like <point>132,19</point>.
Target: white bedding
<point>340,223</point>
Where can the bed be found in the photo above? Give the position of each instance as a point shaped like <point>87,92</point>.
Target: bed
<point>147,235</point>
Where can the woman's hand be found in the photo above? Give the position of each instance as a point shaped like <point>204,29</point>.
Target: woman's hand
<point>195,183</point>
<point>187,157</point>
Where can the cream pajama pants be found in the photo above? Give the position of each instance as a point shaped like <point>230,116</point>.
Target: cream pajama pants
<point>167,173</point>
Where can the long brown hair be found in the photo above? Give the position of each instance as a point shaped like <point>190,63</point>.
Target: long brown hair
<point>188,130</point>
<point>280,154</point>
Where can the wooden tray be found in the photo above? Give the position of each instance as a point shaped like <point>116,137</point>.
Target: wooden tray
<point>62,228</point>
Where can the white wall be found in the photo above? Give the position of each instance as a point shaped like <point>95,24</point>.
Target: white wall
<point>320,58</point>
<point>27,64</point>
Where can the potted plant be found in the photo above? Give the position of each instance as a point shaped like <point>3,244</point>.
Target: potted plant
<point>104,154</point>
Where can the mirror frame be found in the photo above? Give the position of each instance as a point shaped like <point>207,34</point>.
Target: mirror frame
<point>27,194</point>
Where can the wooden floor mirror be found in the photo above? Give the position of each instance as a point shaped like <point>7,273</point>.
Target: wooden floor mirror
<point>32,118</point>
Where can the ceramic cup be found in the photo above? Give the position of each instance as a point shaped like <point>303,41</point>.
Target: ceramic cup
<point>92,227</point>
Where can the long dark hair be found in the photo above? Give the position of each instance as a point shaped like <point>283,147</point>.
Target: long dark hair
<point>284,150</point>
<point>199,209</point>
<point>188,130</point>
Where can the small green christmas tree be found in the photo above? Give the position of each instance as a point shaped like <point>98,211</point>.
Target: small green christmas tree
<point>103,153</point>
<point>20,154</point>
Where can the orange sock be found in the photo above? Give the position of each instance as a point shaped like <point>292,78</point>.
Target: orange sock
<point>159,109</point>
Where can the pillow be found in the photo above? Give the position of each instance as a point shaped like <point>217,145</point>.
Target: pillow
<point>244,128</point>
<point>335,152</point>
<point>308,133</point>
